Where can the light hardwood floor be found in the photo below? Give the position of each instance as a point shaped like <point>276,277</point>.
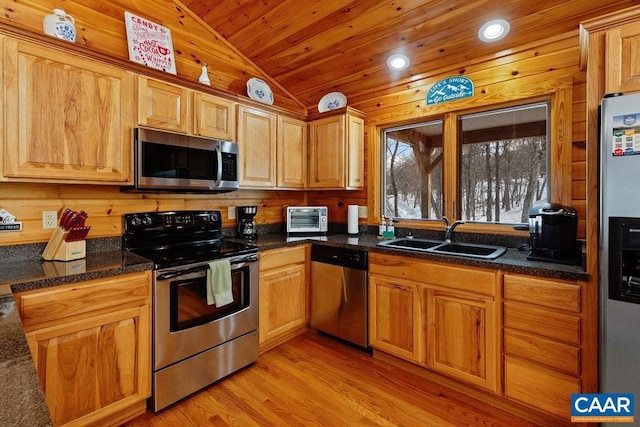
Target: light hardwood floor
<point>312,380</point>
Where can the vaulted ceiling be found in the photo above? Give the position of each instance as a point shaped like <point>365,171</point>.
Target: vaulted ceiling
<point>314,47</point>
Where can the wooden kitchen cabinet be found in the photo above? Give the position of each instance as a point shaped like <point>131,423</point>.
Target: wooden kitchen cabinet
<point>67,118</point>
<point>284,308</point>
<point>291,148</point>
<point>396,313</point>
<point>273,150</point>
<point>462,337</point>
<point>91,344</point>
<point>622,63</point>
<point>442,317</point>
<point>166,106</point>
<point>257,147</point>
<point>542,342</point>
<point>336,151</point>
<point>163,105</point>
<point>214,117</point>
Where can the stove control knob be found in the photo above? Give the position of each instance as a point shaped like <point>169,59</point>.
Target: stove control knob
<point>135,221</point>
<point>146,220</point>
<point>214,217</point>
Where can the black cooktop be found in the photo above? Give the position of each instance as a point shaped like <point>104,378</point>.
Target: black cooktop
<point>164,257</point>
<point>176,238</point>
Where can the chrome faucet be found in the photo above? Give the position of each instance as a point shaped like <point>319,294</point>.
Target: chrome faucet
<point>449,228</point>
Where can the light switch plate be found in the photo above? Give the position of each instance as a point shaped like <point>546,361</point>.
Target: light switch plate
<point>231,212</point>
<point>362,211</point>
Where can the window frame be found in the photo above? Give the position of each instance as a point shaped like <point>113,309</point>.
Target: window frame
<point>557,92</point>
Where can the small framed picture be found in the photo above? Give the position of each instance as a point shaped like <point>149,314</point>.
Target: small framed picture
<point>149,43</point>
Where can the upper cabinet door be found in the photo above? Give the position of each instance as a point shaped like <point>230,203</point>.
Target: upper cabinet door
<point>214,117</point>
<point>623,59</point>
<point>163,105</point>
<point>292,153</point>
<point>257,147</point>
<point>327,151</point>
<point>355,129</point>
<point>68,118</point>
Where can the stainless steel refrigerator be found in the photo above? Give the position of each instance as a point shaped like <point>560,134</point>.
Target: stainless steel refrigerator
<point>619,251</point>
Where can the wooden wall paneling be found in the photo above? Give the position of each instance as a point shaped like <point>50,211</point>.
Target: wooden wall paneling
<point>100,27</point>
<point>552,56</point>
<point>107,204</point>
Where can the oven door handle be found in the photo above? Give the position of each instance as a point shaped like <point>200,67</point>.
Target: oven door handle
<point>176,273</point>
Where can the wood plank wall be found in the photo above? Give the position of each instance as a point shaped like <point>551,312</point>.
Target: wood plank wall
<point>559,56</point>
<point>403,102</point>
<point>106,204</point>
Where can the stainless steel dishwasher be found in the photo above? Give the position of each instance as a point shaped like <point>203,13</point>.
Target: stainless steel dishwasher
<point>339,293</point>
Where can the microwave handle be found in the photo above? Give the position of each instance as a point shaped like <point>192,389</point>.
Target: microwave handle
<point>219,156</point>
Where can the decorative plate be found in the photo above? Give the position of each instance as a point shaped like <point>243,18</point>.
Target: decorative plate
<point>331,101</point>
<point>259,91</point>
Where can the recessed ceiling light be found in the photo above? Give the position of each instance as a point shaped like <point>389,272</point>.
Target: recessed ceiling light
<point>398,61</point>
<point>494,30</point>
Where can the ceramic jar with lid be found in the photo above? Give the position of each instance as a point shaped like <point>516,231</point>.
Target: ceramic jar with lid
<point>61,25</point>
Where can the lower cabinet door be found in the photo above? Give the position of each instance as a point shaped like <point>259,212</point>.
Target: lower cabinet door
<point>93,369</point>
<point>462,338</point>
<point>396,317</point>
<point>283,301</point>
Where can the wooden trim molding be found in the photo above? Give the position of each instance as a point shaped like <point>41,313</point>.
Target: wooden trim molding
<point>556,87</point>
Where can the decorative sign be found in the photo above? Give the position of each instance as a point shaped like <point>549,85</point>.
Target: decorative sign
<point>8,222</point>
<point>450,89</point>
<point>626,135</point>
<point>150,44</point>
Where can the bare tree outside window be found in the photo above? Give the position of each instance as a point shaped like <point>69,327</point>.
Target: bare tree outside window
<point>413,171</point>
<point>503,163</point>
<point>502,171</point>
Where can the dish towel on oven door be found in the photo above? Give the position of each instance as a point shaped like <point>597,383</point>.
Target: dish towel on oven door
<point>219,283</point>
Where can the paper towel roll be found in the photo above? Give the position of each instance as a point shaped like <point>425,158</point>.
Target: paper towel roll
<point>352,219</point>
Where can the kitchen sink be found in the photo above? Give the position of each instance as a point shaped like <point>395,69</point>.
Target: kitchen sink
<point>411,244</point>
<point>472,250</point>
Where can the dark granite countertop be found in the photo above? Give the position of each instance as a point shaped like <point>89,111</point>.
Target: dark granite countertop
<point>23,402</point>
<point>514,260</point>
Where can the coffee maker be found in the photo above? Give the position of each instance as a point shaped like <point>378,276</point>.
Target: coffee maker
<point>553,229</point>
<point>246,224</point>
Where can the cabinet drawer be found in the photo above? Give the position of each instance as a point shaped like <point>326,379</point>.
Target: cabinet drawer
<point>554,294</point>
<point>525,317</point>
<point>470,279</point>
<point>553,354</point>
<point>44,305</point>
<point>540,387</point>
<point>280,257</point>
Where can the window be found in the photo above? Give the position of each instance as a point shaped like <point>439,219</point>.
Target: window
<point>413,157</point>
<point>503,170</point>
<point>500,174</point>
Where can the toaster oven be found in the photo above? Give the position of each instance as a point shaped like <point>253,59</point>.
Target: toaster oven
<point>307,220</point>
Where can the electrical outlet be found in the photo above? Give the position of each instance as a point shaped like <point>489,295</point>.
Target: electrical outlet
<point>362,211</point>
<point>231,213</point>
<point>49,219</point>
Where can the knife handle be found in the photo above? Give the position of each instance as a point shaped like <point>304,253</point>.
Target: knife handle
<point>63,217</point>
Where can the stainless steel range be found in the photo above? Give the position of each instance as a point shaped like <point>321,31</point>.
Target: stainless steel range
<point>195,341</point>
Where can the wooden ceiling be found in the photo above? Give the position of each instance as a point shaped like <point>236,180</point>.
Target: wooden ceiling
<point>314,47</point>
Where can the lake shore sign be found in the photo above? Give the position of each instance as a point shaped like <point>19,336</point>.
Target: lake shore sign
<point>450,89</point>
<point>149,43</point>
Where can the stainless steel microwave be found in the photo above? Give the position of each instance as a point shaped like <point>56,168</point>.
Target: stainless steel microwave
<point>307,220</point>
<point>171,162</point>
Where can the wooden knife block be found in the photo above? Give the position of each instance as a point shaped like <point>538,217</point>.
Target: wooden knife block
<point>59,250</point>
